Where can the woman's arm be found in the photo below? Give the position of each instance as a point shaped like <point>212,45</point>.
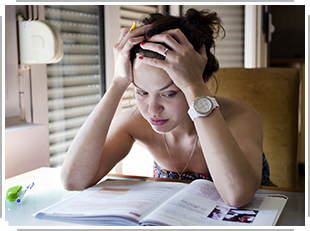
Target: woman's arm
<point>232,149</point>
<point>87,159</point>
<point>82,160</point>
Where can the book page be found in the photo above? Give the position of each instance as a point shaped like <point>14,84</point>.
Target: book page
<point>131,199</point>
<point>201,204</point>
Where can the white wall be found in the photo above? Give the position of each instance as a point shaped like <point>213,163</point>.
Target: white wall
<point>26,144</point>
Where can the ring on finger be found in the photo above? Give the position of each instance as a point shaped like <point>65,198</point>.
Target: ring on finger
<point>165,52</point>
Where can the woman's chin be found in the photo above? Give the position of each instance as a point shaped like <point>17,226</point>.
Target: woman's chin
<point>160,129</point>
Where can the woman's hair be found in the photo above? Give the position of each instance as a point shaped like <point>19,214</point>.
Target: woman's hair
<point>199,27</point>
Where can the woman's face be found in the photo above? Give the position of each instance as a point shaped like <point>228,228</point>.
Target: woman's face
<point>160,102</point>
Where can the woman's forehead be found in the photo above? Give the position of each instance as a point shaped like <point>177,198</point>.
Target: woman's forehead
<point>148,77</point>
<point>160,89</point>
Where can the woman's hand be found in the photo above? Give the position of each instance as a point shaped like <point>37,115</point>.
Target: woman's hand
<point>122,63</point>
<point>183,64</point>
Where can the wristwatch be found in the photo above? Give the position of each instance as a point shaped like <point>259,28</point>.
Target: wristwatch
<point>202,106</point>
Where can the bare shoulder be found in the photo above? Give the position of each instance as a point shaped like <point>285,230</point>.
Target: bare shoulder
<point>242,119</point>
<point>233,108</point>
<point>245,124</point>
<point>131,121</point>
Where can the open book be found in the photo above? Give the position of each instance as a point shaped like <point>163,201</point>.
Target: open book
<point>125,202</point>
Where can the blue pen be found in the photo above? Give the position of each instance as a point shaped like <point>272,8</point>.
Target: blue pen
<point>19,199</point>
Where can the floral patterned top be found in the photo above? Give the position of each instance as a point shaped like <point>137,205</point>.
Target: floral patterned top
<point>162,173</point>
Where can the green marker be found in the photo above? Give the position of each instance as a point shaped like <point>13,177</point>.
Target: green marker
<point>16,193</point>
<point>13,193</point>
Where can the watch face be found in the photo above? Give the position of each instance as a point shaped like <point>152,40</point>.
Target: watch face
<point>203,105</point>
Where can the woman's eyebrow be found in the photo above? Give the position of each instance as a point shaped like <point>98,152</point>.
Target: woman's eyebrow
<point>171,83</point>
<point>165,87</point>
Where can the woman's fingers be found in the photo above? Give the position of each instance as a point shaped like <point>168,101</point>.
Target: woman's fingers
<point>131,42</point>
<point>153,62</point>
<point>127,33</point>
<point>122,34</point>
<point>127,39</point>
<point>173,38</point>
<point>158,48</point>
<point>202,51</point>
<point>177,35</point>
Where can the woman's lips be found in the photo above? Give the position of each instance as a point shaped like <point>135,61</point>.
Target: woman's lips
<point>158,122</point>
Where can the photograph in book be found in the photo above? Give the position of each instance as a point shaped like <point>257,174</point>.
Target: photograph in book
<point>123,202</point>
<point>234,215</point>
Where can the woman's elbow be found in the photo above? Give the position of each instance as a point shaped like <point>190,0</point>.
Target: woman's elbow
<point>71,183</point>
<point>240,198</point>
<point>238,201</point>
<point>243,195</point>
<point>70,186</point>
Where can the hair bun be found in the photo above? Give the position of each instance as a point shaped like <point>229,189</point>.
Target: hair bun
<point>192,16</point>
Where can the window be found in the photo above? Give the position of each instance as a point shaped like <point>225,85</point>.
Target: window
<point>74,84</point>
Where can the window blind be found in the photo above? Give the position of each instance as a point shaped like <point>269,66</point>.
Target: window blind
<point>230,51</point>
<point>74,82</point>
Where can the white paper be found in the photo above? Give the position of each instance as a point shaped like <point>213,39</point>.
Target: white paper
<point>201,205</point>
<point>131,199</point>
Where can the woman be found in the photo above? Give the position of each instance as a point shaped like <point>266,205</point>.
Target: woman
<point>168,60</point>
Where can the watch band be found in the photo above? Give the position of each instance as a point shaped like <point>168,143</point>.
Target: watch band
<point>193,113</point>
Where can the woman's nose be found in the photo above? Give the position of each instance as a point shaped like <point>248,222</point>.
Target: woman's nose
<point>155,107</point>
